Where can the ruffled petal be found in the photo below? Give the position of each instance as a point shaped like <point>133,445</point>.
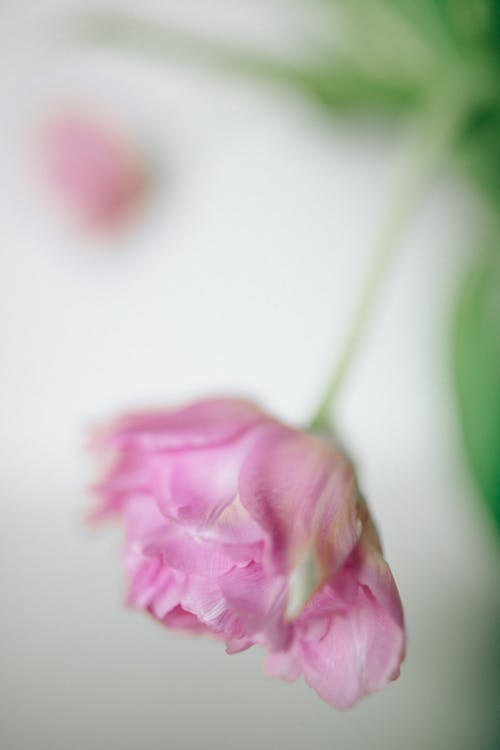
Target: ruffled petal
<point>189,460</point>
<point>374,572</point>
<point>184,552</point>
<point>360,653</point>
<point>285,665</point>
<point>204,423</point>
<point>198,489</point>
<point>364,643</point>
<point>152,585</point>
<point>205,599</point>
<point>302,492</point>
<point>128,476</point>
<point>259,602</point>
<point>180,619</point>
<point>241,606</point>
<point>155,587</point>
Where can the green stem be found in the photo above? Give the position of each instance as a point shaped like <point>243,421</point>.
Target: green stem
<point>427,149</point>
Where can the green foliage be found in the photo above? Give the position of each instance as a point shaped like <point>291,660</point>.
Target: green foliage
<point>408,52</point>
<point>373,57</point>
<point>476,370</point>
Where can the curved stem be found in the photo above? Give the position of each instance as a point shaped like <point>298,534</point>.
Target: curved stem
<point>427,149</point>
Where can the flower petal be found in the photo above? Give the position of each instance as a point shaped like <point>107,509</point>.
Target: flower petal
<point>184,552</point>
<point>364,644</point>
<point>152,585</point>
<point>155,587</point>
<point>189,459</point>
<point>205,599</point>
<point>283,664</point>
<point>204,423</point>
<point>259,602</point>
<point>302,491</point>
<point>359,654</point>
<point>198,489</point>
<point>180,619</point>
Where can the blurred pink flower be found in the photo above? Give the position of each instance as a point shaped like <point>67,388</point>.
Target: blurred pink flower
<point>95,171</point>
<point>244,528</point>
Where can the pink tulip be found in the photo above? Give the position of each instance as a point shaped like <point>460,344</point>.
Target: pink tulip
<point>95,171</point>
<point>241,527</point>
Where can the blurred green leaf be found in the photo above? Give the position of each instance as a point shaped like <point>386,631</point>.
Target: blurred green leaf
<point>330,78</point>
<point>371,58</point>
<point>476,372</point>
<point>478,149</point>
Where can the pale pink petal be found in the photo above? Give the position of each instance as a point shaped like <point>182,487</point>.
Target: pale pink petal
<point>152,584</point>
<point>160,453</point>
<point>179,619</point>
<point>302,491</point>
<point>207,602</point>
<point>285,665</point>
<point>129,477</point>
<point>242,606</point>
<point>374,572</point>
<point>198,489</point>
<point>155,587</point>
<point>204,423</point>
<point>186,553</point>
<point>237,645</point>
<point>359,654</point>
<point>364,644</point>
<point>142,519</point>
<point>259,601</point>
<point>95,171</point>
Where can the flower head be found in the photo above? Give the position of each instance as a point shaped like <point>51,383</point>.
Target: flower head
<point>94,170</point>
<point>246,529</point>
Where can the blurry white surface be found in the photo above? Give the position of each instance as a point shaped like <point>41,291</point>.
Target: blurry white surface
<point>240,280</point>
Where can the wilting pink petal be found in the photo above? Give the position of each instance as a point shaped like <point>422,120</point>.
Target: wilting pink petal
<point>349,639</point>
<point>364,642</point>
<point>148,449</point>
<point>283,664</point>
<point>155,587</point>
<point>180,619</point>
<point>254,532</point>
<point>181,551</point>
<point>195,487</point>
<point>95,171</point>
<point>210,422</point>
<point>259,600</point>
<point>205,599</point>
<point>152,585</point>
<point>302,491</point>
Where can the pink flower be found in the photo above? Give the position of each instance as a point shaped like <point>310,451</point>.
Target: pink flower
<point>241,527</point>
<point>94,170</point>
